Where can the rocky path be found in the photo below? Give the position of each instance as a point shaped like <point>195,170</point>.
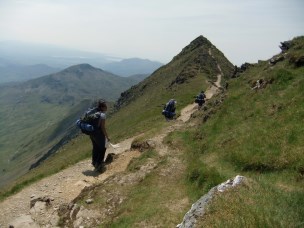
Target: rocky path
<point>66,185</point>
<point>63,186</point>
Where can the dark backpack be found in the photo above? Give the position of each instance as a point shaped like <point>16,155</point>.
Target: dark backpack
<point>170,106</point>
<point>200,98</point>
<point>88,124</point>
<point>169,109</point>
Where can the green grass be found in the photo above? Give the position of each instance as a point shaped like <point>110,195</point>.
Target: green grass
<point>147,202</point>
<point>73,152</point>
<point>145,114</point>
<point>258,134</point>
<point>37,114</point>
<point>31,134</point>
<point>158,199</point>
<point>256,205</point>
<point>143,109</point>
<point>198,177</point>
<point>136,163</point>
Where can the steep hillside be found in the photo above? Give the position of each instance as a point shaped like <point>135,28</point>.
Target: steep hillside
<point>140,106</point>
<point>37,114</point>
<point>251,127</point>
<point>188,73</point>
<point>79,177</point>
<point>257,132</point>
<point>253,130</point>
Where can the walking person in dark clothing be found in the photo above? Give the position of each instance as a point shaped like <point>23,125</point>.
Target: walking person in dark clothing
<point>200,99</point>
<point>169,109</point>
<point>100,138</point>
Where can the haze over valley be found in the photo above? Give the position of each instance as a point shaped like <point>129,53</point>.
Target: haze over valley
<point>20,61</point>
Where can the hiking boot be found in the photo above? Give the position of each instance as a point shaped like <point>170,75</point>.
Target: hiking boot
<point>100,168</point>
<point>110,158</point>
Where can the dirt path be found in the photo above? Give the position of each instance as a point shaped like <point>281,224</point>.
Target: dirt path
<point>66,185</point>
<point>214,87</point>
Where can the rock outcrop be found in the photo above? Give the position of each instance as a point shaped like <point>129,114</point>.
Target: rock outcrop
<point>198,209</point>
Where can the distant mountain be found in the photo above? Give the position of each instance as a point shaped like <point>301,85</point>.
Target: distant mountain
<point>37,114</point>
<point>32,112</point>
<point>19,60</point>
<point>11,72</point>
<point>127,67</point>
<point>77,83</point>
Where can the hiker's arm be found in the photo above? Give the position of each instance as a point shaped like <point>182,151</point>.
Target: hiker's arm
<point>102,124</point>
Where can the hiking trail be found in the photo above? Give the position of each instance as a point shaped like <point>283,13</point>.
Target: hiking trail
<point>66,185</point>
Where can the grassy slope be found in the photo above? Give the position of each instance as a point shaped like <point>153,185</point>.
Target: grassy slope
<point>31,113</point>
<point>141,111</point>
<point>142,114</point>
<point>257,134</point>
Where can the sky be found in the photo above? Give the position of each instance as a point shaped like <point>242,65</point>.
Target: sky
<point>244,30</point>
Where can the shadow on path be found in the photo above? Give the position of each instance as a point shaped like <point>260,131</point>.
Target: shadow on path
<point>91,173</point>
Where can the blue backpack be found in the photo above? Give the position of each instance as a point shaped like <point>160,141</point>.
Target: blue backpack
<point>200,99</point>
<point>169,109</point>
<point>88,124</point>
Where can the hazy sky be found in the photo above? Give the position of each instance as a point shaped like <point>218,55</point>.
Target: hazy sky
<point>244,30</point>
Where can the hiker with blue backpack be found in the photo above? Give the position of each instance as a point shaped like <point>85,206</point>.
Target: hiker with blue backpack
<point>169,109</point>
<point>94,124</point>
<point>200,99</point>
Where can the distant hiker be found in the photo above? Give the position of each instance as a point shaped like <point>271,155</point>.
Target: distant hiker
<point>200,99</point>
<point>94,125</point>
<point>169,109</point>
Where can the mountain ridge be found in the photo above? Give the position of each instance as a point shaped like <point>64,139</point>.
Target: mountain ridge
<point>32,112</point>
<point>149,83</point>
<point>15,55</point>
<point>189,68</point>
<point>250,127</point>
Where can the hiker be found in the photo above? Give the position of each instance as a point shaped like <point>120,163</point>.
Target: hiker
<point>99,138</point>
<point>169,109</point>
<point>200,99</point>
